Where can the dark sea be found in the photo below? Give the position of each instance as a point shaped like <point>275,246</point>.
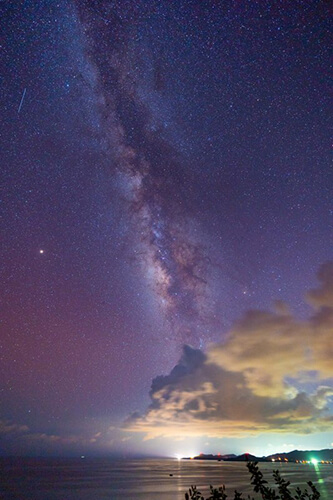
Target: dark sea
<point>145,479</point>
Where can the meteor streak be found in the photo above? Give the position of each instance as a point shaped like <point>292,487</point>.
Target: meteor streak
<point>22,99</point>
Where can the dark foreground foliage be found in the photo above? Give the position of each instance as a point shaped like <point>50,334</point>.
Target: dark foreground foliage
<point>259,486</point>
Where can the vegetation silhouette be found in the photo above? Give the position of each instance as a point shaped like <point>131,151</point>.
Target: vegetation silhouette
<point>259,486</point>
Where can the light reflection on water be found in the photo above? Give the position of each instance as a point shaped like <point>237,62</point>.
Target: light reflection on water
<point>145,479</point>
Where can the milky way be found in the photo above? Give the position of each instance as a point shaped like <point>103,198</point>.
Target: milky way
<point>150,173</point>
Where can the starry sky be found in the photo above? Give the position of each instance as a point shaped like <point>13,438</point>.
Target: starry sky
<point>167,226</point>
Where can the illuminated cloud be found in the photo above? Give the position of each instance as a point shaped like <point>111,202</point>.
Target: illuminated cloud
<point>255,382</point>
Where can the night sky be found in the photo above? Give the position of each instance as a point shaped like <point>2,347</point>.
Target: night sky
<point>167,182</point>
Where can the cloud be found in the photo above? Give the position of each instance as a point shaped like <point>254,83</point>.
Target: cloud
<point>10,428</point>
<point>323,296</point>
<point>274,373</point>
<point>17,437</point>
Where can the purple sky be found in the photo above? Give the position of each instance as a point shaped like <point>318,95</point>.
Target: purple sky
<point>171,160</point>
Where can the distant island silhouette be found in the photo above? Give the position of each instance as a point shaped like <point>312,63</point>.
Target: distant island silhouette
<point>301,456</point>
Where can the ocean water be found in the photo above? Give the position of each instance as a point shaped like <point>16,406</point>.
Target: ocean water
<point>145,479</point>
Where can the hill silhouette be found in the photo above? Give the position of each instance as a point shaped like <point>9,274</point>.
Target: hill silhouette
<point>325,455</point>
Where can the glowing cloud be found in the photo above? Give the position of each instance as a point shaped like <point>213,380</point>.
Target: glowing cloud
<point>255,382</point>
